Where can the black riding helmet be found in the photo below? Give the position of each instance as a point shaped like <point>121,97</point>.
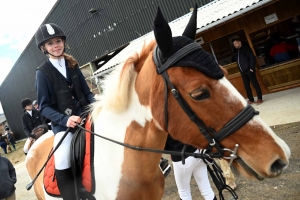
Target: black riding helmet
<point>35,102</point>
<point>26,102</point>
<point>46,32</point>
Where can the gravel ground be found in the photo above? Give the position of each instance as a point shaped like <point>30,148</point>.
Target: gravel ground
<point>282,188</point>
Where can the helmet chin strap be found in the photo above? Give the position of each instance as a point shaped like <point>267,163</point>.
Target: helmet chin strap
<point>46,52</point>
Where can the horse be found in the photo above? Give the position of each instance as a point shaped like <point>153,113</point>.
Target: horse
<point>172,87</point>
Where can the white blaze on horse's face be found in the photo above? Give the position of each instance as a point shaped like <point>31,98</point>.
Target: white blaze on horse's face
<point>233,96</point>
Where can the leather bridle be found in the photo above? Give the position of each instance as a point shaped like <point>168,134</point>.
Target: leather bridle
<point>210,134</point>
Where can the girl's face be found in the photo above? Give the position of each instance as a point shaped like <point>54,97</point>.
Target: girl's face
<point>55,47</point>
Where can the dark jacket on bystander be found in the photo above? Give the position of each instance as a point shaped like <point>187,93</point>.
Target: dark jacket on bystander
<point>245,58</point>
<point>8,178</point>
<point>175,145</point>
<point>30,122</point>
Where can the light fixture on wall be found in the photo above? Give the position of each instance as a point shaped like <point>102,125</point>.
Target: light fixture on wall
<point>93,10</point>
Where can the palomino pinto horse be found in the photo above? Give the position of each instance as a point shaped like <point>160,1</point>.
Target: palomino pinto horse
<point>133,110</point>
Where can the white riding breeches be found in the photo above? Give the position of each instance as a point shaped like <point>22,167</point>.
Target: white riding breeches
<point>62,154</point>
<point>183,174</point>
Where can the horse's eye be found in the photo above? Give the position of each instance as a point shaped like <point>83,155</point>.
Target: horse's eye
<point>200,95</point>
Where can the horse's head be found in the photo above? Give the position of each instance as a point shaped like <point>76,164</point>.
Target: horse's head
<point>193,74</point>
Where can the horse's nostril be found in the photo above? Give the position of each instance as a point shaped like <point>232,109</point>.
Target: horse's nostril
<point>277,166</point>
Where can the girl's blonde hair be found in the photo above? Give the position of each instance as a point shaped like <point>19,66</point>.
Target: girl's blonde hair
<point>70,60</point>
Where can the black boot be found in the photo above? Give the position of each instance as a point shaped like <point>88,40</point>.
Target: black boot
<point>65,182</point>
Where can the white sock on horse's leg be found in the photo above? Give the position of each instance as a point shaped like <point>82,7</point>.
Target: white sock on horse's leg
<point>26,146</point>
<point>62,154</point>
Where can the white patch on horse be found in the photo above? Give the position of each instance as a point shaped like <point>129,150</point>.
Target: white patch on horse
<point>113,125</point>
<point>277,139</point>
<point>233,94</point>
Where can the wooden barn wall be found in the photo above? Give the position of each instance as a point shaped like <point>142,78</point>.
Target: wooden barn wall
<point>255,21</point>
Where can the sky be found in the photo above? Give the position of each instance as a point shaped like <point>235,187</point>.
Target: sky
<point>19,20</point>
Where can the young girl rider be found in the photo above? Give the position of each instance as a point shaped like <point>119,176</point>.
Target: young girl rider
<point>62,95</point>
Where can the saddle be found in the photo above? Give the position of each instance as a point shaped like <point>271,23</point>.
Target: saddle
<point>82,155</point>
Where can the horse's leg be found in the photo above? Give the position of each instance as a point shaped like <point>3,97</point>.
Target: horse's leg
<point>229,176</point>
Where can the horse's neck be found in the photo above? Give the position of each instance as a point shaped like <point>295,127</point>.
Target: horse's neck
<point>136,130</point>
<point>115,164</point>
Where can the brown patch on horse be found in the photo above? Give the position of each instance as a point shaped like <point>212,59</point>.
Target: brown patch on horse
<point>36,158</point>
<point>141,175</point>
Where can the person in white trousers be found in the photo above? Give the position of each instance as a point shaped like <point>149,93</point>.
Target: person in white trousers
<point>184,172</point>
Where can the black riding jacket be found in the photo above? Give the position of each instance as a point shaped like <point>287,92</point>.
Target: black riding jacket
<point>30,122</point>
<point>175,145</point>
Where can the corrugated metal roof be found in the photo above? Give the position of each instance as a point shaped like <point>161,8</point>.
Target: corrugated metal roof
<point>208,15</point>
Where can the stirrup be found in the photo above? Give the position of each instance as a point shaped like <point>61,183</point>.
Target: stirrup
<point>165,167</point>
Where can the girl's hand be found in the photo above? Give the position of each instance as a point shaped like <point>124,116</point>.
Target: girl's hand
<point>73,120</point>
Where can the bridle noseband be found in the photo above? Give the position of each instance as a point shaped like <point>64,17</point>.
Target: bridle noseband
<point>210,134</point>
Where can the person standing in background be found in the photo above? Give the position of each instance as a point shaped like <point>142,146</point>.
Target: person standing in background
<point>30,120</point>
<point>3,142</point>
<point>183,173</point>
<point>246,64</point>
<point>10,137</point>
<point>7,180</point>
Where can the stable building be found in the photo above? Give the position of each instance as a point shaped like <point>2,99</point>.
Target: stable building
<point>258,26</point>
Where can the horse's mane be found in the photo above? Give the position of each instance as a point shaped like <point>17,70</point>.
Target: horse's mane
<point>118,85</point>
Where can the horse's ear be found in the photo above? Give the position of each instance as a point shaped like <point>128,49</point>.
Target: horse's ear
<point>163,34</point>
<point>190,29</point>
